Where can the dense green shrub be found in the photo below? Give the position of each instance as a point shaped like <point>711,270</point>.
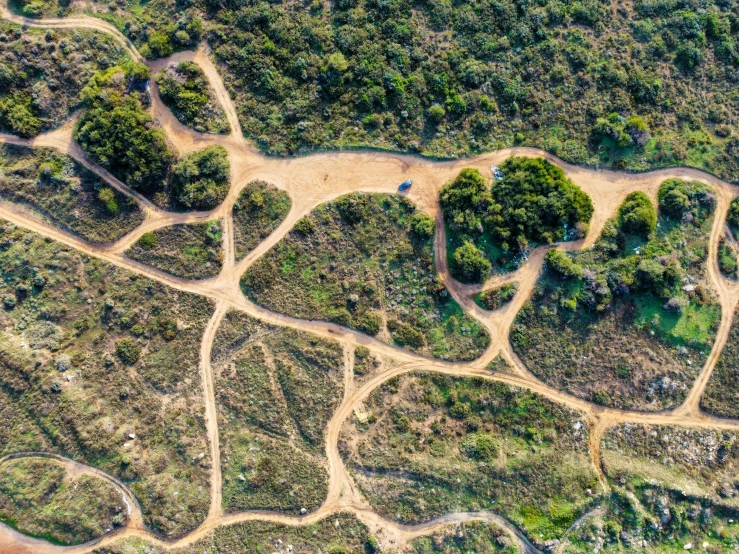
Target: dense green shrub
<point>118,134</point>
<point>200,180</point>
<point>470,263</point>
<point>678,198</point>
<point>732,216</point>
<point>637,215</point>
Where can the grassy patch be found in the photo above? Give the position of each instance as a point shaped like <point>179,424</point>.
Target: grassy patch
<point>721,397</point>
<point>630,321</point>
<point>63,192</point>
<point>357,262</point>
<point>185,90</point>
<point>189,250</point>
<point>257,212</point>
<point>276,389</point>
<point>433,445</point>
<point>38,498</point>
<point>66,388</point>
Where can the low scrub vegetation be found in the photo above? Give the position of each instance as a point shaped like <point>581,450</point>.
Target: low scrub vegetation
<point>117,132</point>
<point>185,90</point>
<point>43,72</point>
<point>276,390</point>
<point>629,322</point>
<point>101,366</point>
<point>721,397</point>
<point>338,534</point>
<point>365,261</point>
<point>432,444</point>
<point>200,180</point>
<point>672,490</point>
<point>492,299</point>
<point>477,536</point>
<point>66,194</point>
<point>258,211</point>
<point>493,227</point>
<point>39,498</point>
<point>191,250</point>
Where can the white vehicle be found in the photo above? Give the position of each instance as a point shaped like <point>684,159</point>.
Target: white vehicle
<point>497,172</point>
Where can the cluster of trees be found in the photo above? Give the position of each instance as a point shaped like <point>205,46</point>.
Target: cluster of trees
<point>655,266</point>
<point>185,90</point>
<point>533,203</point>
<point>200,180</point>
<point>118,133</point>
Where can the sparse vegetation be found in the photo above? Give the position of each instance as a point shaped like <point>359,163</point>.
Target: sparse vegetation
<point>492,227</point>
<point>276,390</point>
<point>66,194</point>
<point>257,212</point>
<point>338,534</point>
<point>185,90</point>
<point>434,444</point>
<point>357,263</point>
<point>478,537</point>
<point>200,180</point>
<point>630,321</point>
<point>191,250</point>
<point>39,498</point>
<point>42,73</point>
<point>64,389</point>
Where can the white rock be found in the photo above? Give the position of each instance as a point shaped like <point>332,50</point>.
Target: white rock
<point>688,546</point>
<point>303,511</point>
<point>132,436</point>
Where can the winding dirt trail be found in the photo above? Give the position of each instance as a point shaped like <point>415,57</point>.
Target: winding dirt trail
<point>311,181</point>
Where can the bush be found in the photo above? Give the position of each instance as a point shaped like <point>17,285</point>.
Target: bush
<point>422,225</point>
<point>637,215</point>
<point>200,180</point>
<point>148,241</point>
<point>128,351</point>
<point>465,201</point>
<point>494,298</point>
<point>561,263</point>
<point>370,323</point>
<point>304,226</point>
<point>732,216</point>
<point>470,264</point>
<point>407,335</point>
<point>107,197</point>
<point>651,275</point>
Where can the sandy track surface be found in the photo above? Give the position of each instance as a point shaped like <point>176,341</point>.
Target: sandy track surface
<point>311,181</point>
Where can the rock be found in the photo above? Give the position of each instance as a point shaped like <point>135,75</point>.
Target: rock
<point>303,511</point>
<point>688,546</point>
<point>551,545</point>
<point>241,477</point>
<point>132,435</point>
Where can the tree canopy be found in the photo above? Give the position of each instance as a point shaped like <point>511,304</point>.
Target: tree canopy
<point>116,131</point>
<point>200,180</point>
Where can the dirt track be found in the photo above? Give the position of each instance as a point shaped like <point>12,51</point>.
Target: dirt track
<point>311,181</point>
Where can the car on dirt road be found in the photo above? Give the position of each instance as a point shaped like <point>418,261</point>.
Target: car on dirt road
<point>405,185</point>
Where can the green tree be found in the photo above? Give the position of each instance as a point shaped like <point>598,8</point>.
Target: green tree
<point>465,201</point>
<point>470,264</point>
<point>637,215</point>
<point>200,180</point>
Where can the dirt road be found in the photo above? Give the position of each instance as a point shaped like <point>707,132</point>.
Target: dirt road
<point>311,181</point>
